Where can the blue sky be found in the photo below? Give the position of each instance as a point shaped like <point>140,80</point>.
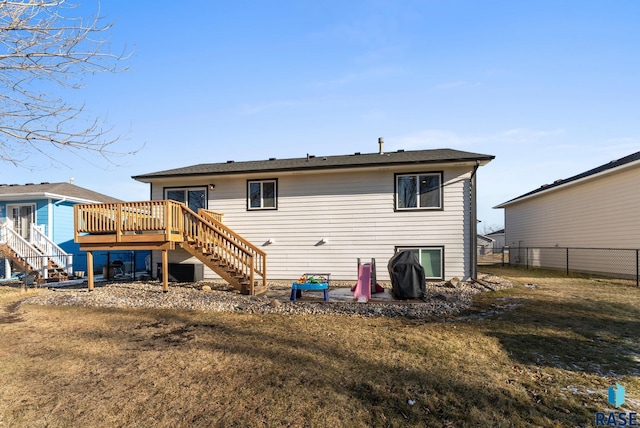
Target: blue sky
<point>551,88</point>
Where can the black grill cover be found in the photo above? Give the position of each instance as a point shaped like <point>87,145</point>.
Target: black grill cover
<point>407,276</point>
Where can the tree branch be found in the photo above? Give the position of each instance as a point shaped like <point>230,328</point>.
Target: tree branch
<point>44,45</point>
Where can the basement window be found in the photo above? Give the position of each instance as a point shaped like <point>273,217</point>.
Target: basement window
<point>430,258</point>
<point>262,194</point>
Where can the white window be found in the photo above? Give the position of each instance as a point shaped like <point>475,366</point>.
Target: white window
<point>430,258</point>
<point>419,191</point>
<point>192,197</point>
<point>262,194</point>
<point>22,216</point>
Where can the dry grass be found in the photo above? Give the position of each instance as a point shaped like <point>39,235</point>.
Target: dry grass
<point>522,357</point>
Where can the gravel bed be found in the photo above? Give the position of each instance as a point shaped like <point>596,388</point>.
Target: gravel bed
<point>440,299</point>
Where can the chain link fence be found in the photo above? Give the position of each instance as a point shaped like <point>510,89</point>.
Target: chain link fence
<point>610,262</point>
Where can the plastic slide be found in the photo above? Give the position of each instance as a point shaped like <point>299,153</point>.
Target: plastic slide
<point>362,293</point>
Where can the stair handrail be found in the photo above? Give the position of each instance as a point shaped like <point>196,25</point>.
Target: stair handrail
<point>259,255</point>
<point>57,255</point>
<point>23,249</point>
<point>217,223</point>
<point>223,243</point>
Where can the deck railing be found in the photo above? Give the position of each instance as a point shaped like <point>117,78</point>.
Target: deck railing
<point>211,214</point>
<point>177,223</point>
<point>122,217</point>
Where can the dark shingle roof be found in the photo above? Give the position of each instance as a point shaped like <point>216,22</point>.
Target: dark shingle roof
<point>49,189</point>
<point>602,168</point>
<point>322,162</point>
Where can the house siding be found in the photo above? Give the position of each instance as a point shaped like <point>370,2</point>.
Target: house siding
<point>597,213</point>
<point>63,228</point>
<point>352,210</point>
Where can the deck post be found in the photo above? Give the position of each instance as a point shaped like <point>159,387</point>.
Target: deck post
<point>264,272</point>
<point>90,270</point>
<point>165,271</point>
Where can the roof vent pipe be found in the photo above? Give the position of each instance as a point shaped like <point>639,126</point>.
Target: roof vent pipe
<point>380,144</point>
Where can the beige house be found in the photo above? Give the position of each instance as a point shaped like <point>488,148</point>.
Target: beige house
<point>593,210</point>
<point>321,213</point>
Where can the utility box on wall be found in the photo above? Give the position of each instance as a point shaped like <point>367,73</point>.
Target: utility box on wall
<point>183,272</point>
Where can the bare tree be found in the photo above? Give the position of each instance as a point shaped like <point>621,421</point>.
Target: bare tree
<point>46,48</point>
<point>490,228</point>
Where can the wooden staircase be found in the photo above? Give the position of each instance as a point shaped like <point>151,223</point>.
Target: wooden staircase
<point>224,251</point>
<point>39,257</point>
<point>166,225</point>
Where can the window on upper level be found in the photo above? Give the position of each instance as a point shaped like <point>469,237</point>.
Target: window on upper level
<point>192,197</point>
<point>262,194</point>
<point>421,191</point>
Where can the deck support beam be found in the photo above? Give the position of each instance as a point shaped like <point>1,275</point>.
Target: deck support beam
<point>90,270</point>
<point>165,271</point>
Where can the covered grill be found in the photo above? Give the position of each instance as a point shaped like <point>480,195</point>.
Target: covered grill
<point>407,276</point>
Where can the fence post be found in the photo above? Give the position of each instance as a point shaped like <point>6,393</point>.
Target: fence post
<point>526,257</point>
<point>567,261</point>
<point>637,268</point>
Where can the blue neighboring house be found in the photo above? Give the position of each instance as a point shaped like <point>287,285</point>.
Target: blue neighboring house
<point>36,226</point>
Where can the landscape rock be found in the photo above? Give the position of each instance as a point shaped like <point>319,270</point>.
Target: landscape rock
<point>220,297</point>
<point>453,282</point>
<point>275,303</point>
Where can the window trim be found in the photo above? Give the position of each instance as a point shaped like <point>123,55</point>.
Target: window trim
<point>440,176</point>
<point>165,190</point>
<point>275,196</point>
<point>34,216</point>
<point>427,247</point>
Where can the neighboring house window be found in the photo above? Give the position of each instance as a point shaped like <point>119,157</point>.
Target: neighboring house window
<point>430,258</point>
<point>22,216</point>
<point>262,194</point>
<point>192,197</point>
<point>418,191</point>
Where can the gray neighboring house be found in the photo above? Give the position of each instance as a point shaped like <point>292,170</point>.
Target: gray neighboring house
<point>485,245</point>
<point>498,239</point>
<point>595,209</point>
<point>321,213</point>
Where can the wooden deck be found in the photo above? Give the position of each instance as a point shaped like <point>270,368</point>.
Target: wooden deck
<point>166,225</point>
